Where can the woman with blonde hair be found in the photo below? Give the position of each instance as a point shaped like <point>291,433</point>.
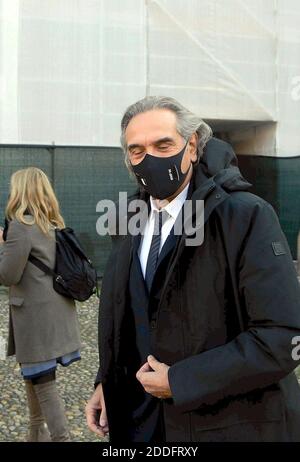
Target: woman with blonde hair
<point>43,325</point>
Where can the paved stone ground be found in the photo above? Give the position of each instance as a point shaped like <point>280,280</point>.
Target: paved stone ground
<point>75,382</point>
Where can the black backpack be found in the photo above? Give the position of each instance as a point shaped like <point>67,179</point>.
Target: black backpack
<point>74,275</point>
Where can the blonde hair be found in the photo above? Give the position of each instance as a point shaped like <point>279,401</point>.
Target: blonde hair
<point>31,192</point>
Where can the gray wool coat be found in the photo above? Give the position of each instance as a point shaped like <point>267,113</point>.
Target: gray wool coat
<point>42,323</point>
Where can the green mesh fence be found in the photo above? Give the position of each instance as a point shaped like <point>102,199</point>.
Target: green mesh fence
<point>83,176</point>
<point>277,180</point>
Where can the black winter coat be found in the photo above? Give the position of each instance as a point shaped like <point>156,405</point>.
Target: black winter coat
<point>227,315</point>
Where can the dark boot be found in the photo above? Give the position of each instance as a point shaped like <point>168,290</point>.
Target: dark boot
<point>53,410</point>
<point>38,431</point>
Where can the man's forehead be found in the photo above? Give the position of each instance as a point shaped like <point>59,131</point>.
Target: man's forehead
<point>151,126</point>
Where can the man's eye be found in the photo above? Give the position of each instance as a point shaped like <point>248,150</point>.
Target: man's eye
<point>136,153</point>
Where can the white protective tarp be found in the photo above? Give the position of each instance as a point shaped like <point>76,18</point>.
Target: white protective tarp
<point>69,68</point>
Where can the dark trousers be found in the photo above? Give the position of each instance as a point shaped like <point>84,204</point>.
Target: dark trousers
<point>159,435</point>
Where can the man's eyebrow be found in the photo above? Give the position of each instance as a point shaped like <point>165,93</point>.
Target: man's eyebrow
<point>132,146</point>
<point>166,139</point>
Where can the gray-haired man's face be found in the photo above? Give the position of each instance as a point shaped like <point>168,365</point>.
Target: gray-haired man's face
<point>155,133</point>
<point>160,158</point>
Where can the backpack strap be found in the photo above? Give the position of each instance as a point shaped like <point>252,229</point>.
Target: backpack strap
<point>39,264</point>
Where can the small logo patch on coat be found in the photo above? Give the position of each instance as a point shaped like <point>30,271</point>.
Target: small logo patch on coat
<point>278,248</point>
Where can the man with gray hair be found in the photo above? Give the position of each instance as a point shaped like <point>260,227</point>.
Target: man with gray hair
<point>195,338</point>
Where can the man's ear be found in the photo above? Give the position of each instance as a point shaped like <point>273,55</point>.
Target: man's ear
<point>193,145</point>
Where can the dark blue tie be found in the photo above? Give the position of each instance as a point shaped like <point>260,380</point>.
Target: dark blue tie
<point>154,248</point>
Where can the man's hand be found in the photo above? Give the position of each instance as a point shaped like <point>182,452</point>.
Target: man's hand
<point>153,376</point>
<point>95,407</point>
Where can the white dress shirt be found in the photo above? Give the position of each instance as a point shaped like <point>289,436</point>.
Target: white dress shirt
<point>172,208</point>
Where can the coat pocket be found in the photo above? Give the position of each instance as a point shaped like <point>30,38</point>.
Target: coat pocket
<point>257,416</point>
<point>273,431</point>
<point>16,301</point>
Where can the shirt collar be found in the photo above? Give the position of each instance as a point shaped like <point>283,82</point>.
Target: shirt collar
<point>173,208</point>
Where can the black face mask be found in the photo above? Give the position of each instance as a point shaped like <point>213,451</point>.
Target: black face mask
<point>161,176</point>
